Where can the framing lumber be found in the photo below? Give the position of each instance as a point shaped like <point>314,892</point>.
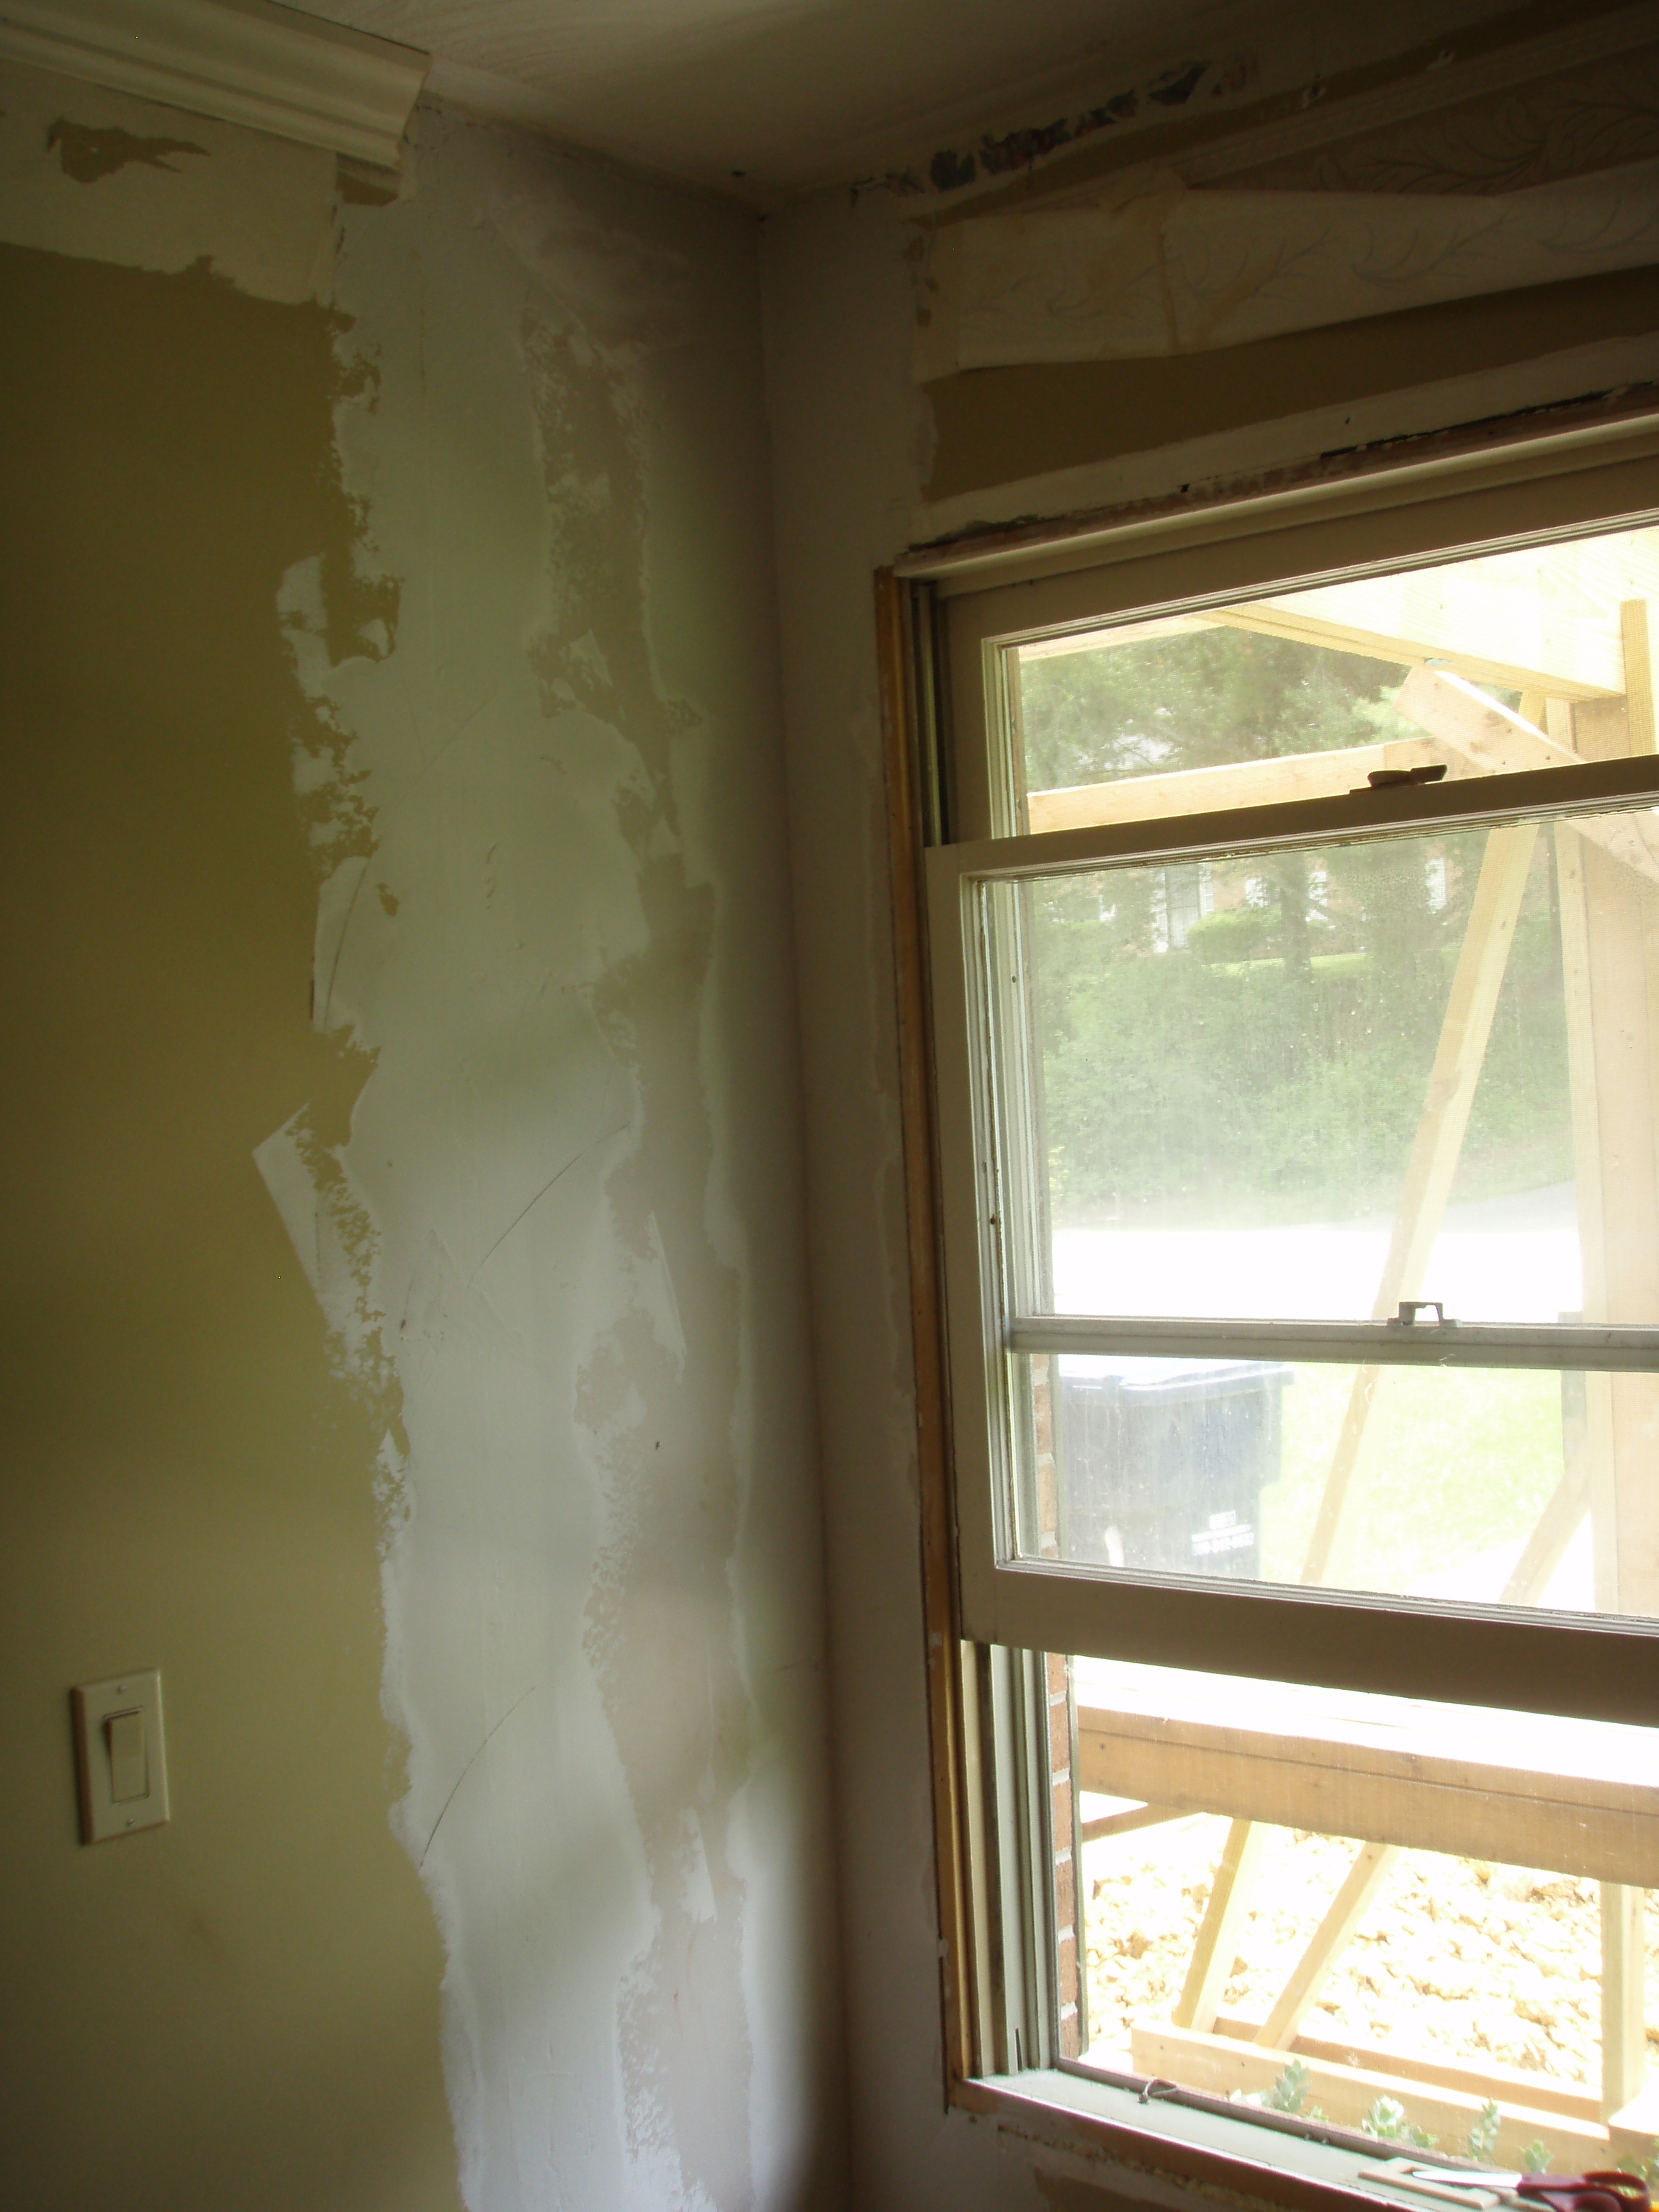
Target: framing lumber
<point>1105,638</point>
<point>1222,2065</point>
<point>1483,737</point>
<point>1369,1871</point>
<point>1557,1526</point>
<point>1637,630</point>
<point>1482,1796</point>
<point>1235,783</point>
<point>1209,1966</point>
<point>1610,959</point>
<point>1508,2084</point>
<point>1624,1972</point>
<point>1528,623</point>
<point>1126,1823</point>
<point>1469,1009</point>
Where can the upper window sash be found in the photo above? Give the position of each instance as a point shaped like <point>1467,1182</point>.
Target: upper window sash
<point>1630,781</point>
<point>1200,555</point>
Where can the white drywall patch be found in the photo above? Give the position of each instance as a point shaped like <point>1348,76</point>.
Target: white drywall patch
<point>570,1170</point>
<point>332,1236</point>
<point>103,177</point>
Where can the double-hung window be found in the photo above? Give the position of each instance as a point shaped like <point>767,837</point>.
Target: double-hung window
<point>1291,935</point>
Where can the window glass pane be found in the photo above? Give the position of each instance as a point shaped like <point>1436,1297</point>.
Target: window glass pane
<point>1421,1920</point>
<point>1472,1485</point>
<point>1307,692</point>
<point>1313,1084</point>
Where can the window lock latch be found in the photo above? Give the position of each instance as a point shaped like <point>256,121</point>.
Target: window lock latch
<point>1421,1313</point>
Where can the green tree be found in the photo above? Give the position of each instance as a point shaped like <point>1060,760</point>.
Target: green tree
<point>1276,1054</point>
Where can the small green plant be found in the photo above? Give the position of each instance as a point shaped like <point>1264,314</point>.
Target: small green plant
<point>1648,2167</point>
<point>1534,2159</point>
<point>1387,2121</point>
<point>1482,2139</point>
<point>1289,2089</point>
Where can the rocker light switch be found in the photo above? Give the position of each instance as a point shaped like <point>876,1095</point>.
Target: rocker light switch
<point>129,1774</point>
<point>120,1757</point>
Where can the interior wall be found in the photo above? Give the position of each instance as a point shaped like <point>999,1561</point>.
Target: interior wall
<point>405,1293</point>
<point>866,463</point>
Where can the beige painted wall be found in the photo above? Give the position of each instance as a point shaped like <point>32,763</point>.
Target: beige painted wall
<point>865,462</point>
<point>241,2008</point>
<point>405,1332</point>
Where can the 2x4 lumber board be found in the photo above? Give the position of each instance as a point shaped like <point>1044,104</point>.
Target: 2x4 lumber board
<point>1610,959</point>
<point>1464,1029</point>
<point>1211,1963</point>
<point>1610,956</point>
<point>1584,1094</point>
<point>1636,628</point>
<point>1518,629</point>
<point>1599,1828</point>
<point>1235,783</point>
<point>1484,738</point>
<point>1126,1823</point>
<point>1219,2065</point>
<point>1370,1869</point>
<point>1107,637</point>
<point>1509,2084</point>
<point>1624,1973</point>
<point>1557,1526</point>
<point>1636,2128</point>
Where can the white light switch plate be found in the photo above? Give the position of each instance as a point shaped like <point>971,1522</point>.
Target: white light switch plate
<point>120,1755</point>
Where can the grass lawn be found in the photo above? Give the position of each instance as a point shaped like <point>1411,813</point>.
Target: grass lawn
<point>1458,1463</point>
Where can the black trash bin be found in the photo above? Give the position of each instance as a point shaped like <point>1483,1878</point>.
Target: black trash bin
<point>1163,1461</point>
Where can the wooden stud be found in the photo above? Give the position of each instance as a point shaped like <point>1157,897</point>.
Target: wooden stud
<point>1558,1524</point>
<point>1481,1795</point>
<point>1369,1871</point>
<point>1224,2067</point>
<point>1484,738</point>
<point>1571,853</point>
<point>1526,639</point>
<point>1211,1965</point>
<point>1610,958</point>
<point>1508,2084</point>
<point>1126,1823</point>
<point>1624,1973</point>
<point>1636,631</point>
<point>1236,783</point>
<point>1466,1025</point>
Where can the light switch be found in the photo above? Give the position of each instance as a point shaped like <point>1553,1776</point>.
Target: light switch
<point>128,1775</point>
<point>120,1757</point>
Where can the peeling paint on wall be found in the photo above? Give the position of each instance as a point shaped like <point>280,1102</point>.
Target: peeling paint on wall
<point>1000,154</point>
<point>198,1468</point>
<point>88,154</point>
<point>562,1234</point>
<point>102,177</point>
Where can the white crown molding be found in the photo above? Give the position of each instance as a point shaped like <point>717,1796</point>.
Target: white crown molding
<point>241,61</point>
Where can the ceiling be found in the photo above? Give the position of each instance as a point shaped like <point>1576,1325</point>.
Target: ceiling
<point>771,97</point>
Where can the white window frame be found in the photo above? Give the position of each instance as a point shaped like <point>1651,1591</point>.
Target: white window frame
<point>946,614</point>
